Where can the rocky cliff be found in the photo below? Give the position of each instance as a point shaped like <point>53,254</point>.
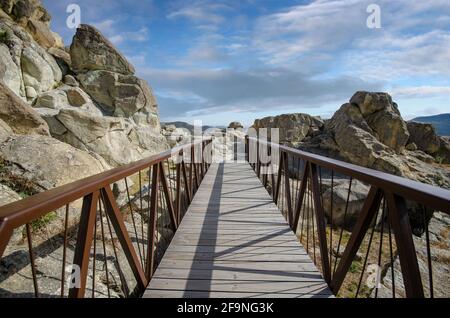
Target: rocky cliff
<point>79,108</point>
<point>65,114</point>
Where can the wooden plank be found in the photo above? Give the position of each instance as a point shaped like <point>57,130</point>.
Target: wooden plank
<point>195,294</point>
<point>241,266</point>
<point>234,242</point>
<point>235,274</point>
<point>241,286</point>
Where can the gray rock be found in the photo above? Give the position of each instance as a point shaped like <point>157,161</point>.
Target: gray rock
<point>340,193</point>
<point>90,50</point>
<point>9,72</point>
<point>71,81</point>
<point>18,115</point>
<point>118,95</point>
<point>293,128</point>
<point>425,137</point>
<point>235,125</point>
<point>5,131</point>
<point>37,73</point>
<point>30,92</point>
<point>44,162</point>
<point>383,117</point>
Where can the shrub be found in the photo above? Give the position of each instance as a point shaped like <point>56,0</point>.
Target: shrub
<point>3,36</point>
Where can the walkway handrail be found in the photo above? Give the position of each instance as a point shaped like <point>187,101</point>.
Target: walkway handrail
<point>298,187</point>
<point>432,196</point>
<point>98,197</point>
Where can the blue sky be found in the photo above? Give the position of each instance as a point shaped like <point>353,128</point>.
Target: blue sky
<point>221,61</point>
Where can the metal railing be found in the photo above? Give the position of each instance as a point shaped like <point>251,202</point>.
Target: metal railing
<point>356,223</point>
<point>115,226</point>
<point>114,247</point>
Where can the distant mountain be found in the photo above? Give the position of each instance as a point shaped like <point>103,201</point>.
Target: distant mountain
<point>440,122</point>
<point>182,124</point>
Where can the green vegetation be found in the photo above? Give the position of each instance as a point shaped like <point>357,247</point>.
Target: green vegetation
<point>3,36</point>
<point>39,223</point>
<point>355,267</point>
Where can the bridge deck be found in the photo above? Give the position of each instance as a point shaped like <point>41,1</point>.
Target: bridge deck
<point>234,242</point>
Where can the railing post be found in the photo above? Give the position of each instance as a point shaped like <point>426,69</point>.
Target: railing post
<point>84,242</point>
<point>150,266</point>
<point>301,195</point>
<point>5,235</point>
<point>115,216</point>
<point>258,161</point>
<point>287,188</point>
<point>191,172</point>
<point>320,221</point>
<point>370,208</point>
<point>399,220</point>
<point>278,185</point>
<point>178,193</point>
<point>246,146</point>
<point>186,181</point>
<point>166,190</point>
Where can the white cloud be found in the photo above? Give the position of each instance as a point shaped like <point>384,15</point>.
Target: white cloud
<point>421,91</point>
<point>117,35</point>
<point>200,11</point>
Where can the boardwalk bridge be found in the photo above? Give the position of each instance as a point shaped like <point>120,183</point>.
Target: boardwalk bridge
<point>178,225</point>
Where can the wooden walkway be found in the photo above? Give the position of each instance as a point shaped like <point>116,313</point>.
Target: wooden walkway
<point>234,242</point>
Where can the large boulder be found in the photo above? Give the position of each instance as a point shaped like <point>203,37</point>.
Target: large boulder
<point>117,94</point>
<point>176,136</point>
<point>10,72</point>
<point>90,50</point>
<point>293,128</point>
<point>383,117</point>
<point>425,137</point>
<point>41,162</point>
<point>19,115</point>
<point>235,125</point>
<point>66,96</point>
<point>40,70</point>
<point>345,213</point>
<point>32,16</point>
<point>443,155</point>
<point>356,141</point>
<point>5,131</point>
<point>117,140</point>
<point>8,195</point>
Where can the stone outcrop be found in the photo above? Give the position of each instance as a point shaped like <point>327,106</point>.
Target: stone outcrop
<point>88,97</point>
<point>344,214</point>
<point>293,128</point>
<point>368,131</point>
<point>90,50</point>
<point>235,125</point>
<point>176,136</point>
<point>5,131</point>
<point>424,136</point>
<point>34,18</point>
<point>19,115</point>
<point>42,162</point>
<point>66,114</point>
<point>119,95</point>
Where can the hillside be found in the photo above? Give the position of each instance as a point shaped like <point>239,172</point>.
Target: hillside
<point>441,122</point>
<point>182,124</point>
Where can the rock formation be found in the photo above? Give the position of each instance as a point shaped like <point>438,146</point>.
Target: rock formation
<point>368,131</point>
<point>293,128</point>
<point>424,136</point>
<point>65,114</point>
<point>235,125</point>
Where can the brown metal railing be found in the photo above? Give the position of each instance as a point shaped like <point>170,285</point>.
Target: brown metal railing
<point>112,244</point>
<point>350,218</point>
